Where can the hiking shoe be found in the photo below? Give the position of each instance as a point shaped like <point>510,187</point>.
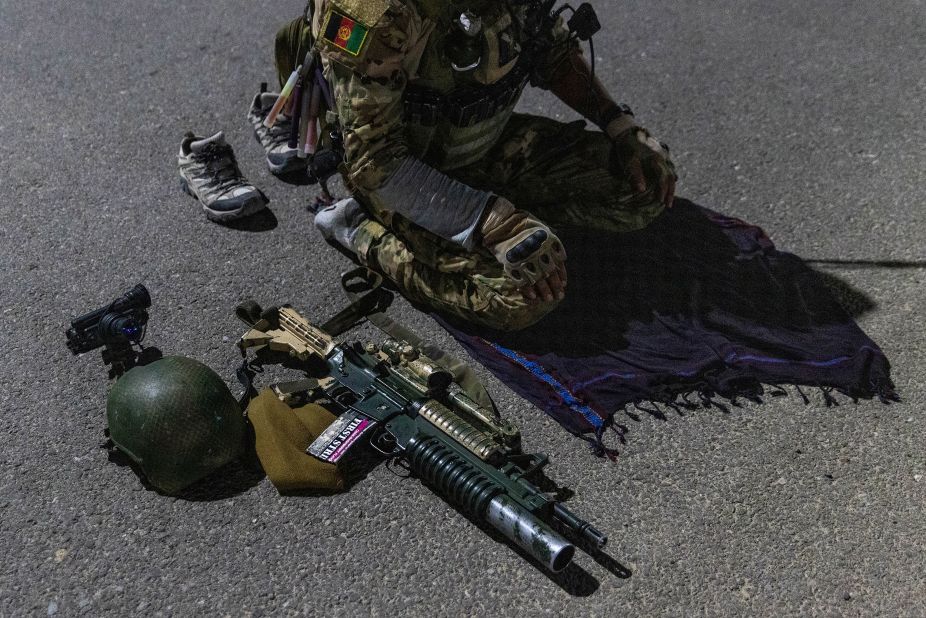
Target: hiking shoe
<point>210,173</point>
<point>281,159</point>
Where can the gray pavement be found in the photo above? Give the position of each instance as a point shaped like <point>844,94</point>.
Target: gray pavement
<point>805,118</point>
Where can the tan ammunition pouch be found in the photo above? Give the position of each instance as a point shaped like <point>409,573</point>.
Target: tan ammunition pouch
<point>283,433</point>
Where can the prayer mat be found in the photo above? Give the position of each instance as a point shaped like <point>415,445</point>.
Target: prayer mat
<point>698,309</point>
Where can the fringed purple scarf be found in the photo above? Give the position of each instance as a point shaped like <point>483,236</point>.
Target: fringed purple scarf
<point>696,309</point>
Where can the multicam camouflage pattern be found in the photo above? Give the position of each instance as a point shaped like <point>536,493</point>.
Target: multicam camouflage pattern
<point>368,87</point>
<point>561,173</point>
<point>405,46</point>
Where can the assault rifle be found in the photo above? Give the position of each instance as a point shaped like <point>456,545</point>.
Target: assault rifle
<point>414,411</point>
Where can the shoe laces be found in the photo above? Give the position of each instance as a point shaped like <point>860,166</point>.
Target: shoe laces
<point>278,134</point>
<point>219,163</point>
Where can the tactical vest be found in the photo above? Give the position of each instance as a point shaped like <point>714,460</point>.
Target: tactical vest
<point>453,116</point>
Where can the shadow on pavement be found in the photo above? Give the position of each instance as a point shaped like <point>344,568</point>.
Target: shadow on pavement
<point>298,178</point>
<point>686,276</point>
<point>854,301</point>
<point>262,221</point>
<point>696,310</point>
<point>229,481</point>
<point>898,264</point>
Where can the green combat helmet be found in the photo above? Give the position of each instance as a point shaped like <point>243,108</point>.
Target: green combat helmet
<point>177,420</point>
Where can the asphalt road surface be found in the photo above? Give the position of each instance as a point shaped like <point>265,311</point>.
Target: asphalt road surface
<point>803,117</point>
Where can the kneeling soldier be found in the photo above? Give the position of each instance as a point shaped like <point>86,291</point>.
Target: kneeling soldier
<point>456,196</point>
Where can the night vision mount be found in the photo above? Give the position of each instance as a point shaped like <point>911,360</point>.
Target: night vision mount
<point>584,21</point>
<point>118,328</point>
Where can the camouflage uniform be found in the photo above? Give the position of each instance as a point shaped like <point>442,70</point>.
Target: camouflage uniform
<point>560,172</point>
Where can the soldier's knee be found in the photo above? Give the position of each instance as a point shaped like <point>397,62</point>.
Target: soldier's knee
<point>623,214</point>
<point>513,312</point>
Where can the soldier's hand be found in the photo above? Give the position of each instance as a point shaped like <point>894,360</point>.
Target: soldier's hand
<point>529,251</point>
<point>646,163</point>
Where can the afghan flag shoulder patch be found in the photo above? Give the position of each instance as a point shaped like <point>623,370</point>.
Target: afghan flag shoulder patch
<point>344,32</point>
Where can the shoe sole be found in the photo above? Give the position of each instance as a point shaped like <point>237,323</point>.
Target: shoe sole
<point>285,169</point>
<point>222,216</point>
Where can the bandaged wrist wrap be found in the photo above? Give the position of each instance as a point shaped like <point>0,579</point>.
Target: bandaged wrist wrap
<point>436,202</point>
<point>616,120</point>
<point>619,126</point>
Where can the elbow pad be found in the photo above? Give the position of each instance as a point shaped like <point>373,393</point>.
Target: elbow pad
<point>438,203</point>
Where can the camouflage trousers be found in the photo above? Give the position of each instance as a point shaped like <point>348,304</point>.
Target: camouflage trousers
<point>561,173</point>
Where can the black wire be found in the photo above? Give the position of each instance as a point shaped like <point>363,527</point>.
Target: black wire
<point>591,50</point>
<point>591,77</point>
<point>571,40</point>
